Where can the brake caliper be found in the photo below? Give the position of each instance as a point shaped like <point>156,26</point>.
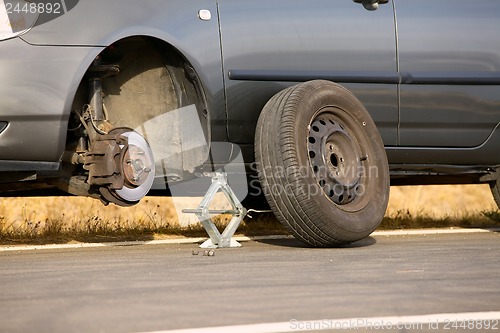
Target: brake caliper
<point>121,164</point>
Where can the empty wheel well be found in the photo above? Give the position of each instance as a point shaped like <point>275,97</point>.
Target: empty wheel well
<point>148,86</point>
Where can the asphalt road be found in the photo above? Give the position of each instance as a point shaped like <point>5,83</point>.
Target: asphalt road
<point>144,288</point>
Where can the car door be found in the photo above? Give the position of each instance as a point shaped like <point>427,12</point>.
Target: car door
<point>268,45</point>
<point>449,58</point>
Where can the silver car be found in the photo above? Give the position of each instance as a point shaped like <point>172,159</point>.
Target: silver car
<point>328,102</point>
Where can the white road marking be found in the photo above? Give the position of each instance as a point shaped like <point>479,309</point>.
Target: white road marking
<point>433,231</point>
<point>130,243</point>
<point>419,322</point>
<point>238,238</point>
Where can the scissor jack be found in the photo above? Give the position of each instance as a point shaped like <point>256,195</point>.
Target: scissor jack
<point>218,240</point>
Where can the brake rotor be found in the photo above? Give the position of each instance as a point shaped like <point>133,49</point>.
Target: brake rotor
<point>138,168</point>
<point>134,166</point>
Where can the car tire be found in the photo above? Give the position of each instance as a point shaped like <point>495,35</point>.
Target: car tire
<point>322,164</point>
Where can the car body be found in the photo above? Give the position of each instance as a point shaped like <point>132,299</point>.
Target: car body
<point>427,71</point>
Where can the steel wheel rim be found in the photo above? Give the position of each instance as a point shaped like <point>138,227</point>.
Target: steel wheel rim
<point>335,157</point>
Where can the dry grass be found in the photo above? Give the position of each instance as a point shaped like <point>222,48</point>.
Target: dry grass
<point>441,201</point>
<point>67,219</point>
<point>441,206</point>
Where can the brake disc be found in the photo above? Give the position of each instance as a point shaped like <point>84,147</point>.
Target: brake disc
<point>121,164</point>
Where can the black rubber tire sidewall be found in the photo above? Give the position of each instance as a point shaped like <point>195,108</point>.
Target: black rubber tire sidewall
<point>315,219</point>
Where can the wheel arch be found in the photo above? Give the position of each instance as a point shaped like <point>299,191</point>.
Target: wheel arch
<point>162,39</point>
<point>175,81</point>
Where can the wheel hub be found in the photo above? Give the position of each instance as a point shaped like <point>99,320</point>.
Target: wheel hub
<point>335,158</point>
<point>136,166</point>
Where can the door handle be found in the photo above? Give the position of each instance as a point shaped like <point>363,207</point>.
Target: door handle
<point>371,4</point>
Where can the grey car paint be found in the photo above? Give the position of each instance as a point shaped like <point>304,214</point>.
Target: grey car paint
<point>436,101</point>
<point>37,87</point>
<point>249,50</point>
<point>57,58</point>
<point>445,43</point>
<point>321,38</point>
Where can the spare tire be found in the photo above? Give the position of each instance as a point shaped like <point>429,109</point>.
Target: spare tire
<point>322,164</point>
